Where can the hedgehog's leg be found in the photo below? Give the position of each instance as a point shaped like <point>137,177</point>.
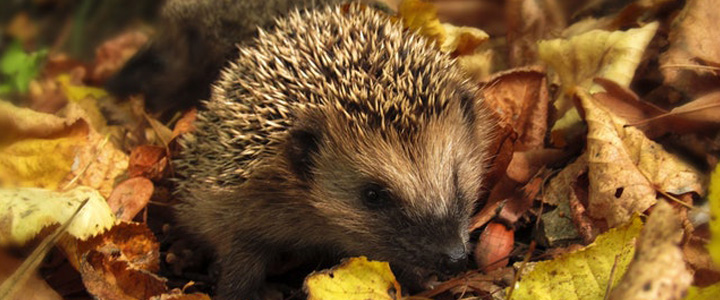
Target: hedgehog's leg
<point>243,268</point>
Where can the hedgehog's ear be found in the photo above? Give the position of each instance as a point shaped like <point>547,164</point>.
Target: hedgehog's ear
<point>303,143</point>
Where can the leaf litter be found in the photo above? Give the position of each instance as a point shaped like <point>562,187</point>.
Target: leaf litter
<point>580,158</point>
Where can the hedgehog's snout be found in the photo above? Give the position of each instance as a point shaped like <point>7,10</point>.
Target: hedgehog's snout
<point>453,260</point>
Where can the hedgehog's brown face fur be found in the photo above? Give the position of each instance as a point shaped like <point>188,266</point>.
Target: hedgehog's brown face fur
<point>402,195</point>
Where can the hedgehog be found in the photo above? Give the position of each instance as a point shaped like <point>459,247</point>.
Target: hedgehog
<point>195,39</point>
<point>336,133</point>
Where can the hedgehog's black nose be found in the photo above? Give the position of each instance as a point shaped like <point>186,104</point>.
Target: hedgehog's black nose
<point>454,260</point>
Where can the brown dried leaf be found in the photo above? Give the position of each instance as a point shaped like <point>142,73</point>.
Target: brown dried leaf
<point>693,48</point>
<point>177,294</point>
<point>520,98</point>
<point>131,242</point>
<point>148,161</point>
<point>529,21</point>
<point>108,278</point>
<point>703,109</point>
<point>130,197</point>
<point>626,168</point>
<point>695,252</point>
<point>185,124</point>
<point>34,289</point>
<point>658,269</point>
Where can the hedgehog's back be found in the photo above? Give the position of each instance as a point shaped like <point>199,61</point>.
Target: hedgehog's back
<point>351,57</point>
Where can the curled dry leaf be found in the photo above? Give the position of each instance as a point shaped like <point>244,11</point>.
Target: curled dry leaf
<point>626,168</point>
<point>130,197</point>
<point>520,98</point>
<point>148,161</point>
<point>185,124</point>
<point>176,294</point>
<point>658,269</point>
<point>690,64</point>
<point>118,264</point>
<point>107,278</point>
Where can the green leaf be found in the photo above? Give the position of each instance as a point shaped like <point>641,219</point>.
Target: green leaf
<point>18,68</point>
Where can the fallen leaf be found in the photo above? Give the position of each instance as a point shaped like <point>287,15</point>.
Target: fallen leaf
<point>703,109</point>
<point>529,21</point>
<point>130,197</point>
<point>690,64</point>
<point>26,211</point>
<point>18,68</point>
<point>707,293</point>
<point>107,278</point>
<point>34,289</point>
<point>626,168</point>
<point>185,124</point>
<point>86,98</point>
<point>714,201</point>
<point>68,150</point>
<point>148,161</point>
<point>422,16</point>
<point>658,269</point>
<point>597,53</point>
<point>176,294</point>
<point>355,279</point>
<point>520,98</point>
<point>119,263</point>
<point>583,274</point>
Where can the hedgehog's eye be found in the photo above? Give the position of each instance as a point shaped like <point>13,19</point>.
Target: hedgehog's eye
<point>375,196</point>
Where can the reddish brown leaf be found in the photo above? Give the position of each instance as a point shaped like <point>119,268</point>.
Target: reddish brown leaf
<point>520,98</point>
<point>148,161</point>
<point>130,197</point>
<point>694,49</point>
<point>108,278</point>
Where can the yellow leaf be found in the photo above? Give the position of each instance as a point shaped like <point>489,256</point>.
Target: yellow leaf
<point>714,201</point>
<point>583,274</point>
<point>658,269</point>
<point>19,122</point>
<point>86,98</point>
<point>422,16</point>
<point>613,55</point>
<point>626,168</point>
<point>40,162</point>
<point>47,151</point>
<point>26,211</point>
<point>707,293</point>
<point>355,279</point>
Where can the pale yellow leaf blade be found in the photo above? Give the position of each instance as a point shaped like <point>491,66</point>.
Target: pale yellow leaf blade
<point>29,210</point>
<point>583,274</point>
<point>355,279</point>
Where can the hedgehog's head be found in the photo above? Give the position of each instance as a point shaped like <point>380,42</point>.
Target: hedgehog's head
<point>396,174</point>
